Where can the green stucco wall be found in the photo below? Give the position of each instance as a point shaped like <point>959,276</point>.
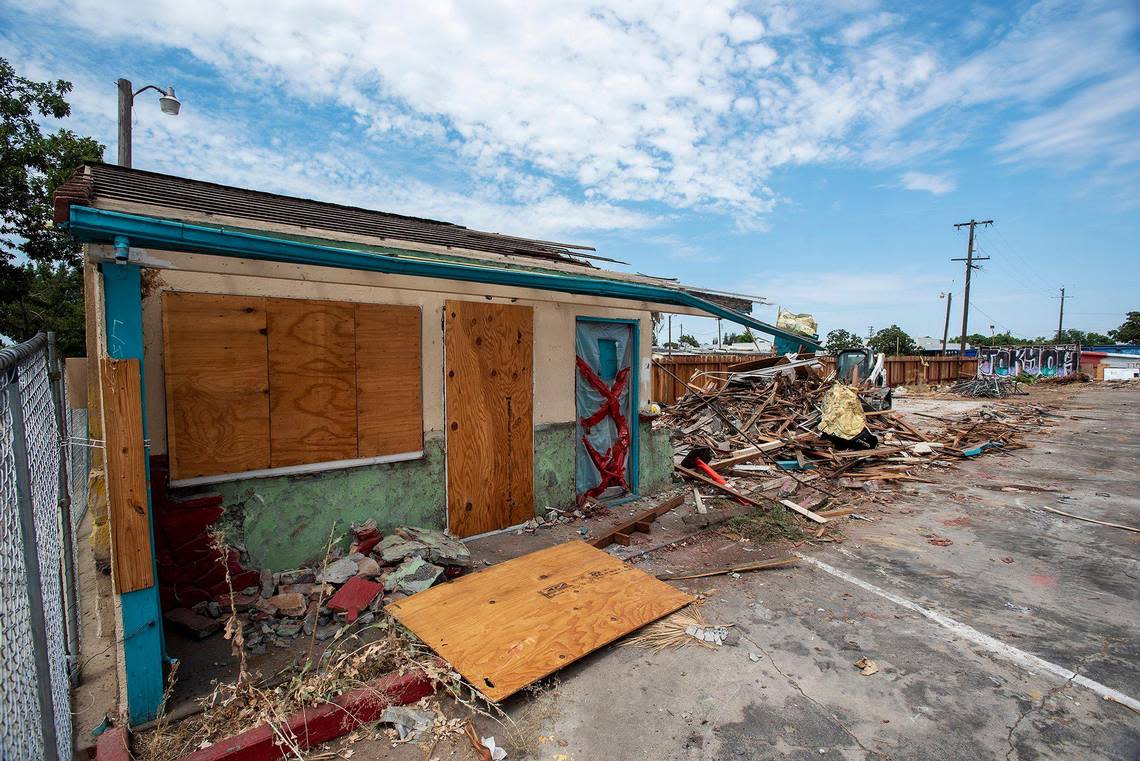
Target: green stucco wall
<point>284,522</point>
<point>656,459</point>
<point>553,467</point>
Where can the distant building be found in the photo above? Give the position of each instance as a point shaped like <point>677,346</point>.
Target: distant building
<point>932,346</point>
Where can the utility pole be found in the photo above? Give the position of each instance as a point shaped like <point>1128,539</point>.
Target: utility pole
<point>970,267</point>
<point>1061,317</point>
<point>669,343</point>
<point>949,296</point>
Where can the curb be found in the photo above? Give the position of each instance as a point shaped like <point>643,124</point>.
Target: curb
<point>311,726</point>
<point>112,745</point>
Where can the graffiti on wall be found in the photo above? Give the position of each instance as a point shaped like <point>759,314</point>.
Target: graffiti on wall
<point>1043,361</point>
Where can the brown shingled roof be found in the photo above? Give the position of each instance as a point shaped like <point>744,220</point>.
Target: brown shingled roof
<point>96,181</point>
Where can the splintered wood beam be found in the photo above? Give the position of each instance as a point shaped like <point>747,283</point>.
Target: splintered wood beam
<point>802,511</point>
<point>620,534</point>
<point>721,487</point>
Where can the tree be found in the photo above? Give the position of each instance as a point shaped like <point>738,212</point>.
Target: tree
<point>1129,330</point>
<point>51,299</point>
<point>688,340</point>
<point>739,338</point>
<point>1073,336</point>
<point>839,339</point>
<point>658,320</point>
<point>42,292</point>
<point>893,340</point>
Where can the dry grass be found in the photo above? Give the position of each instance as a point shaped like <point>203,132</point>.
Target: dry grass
<point>670,632</point>
<point>766,525</point>
<point>352,660</point>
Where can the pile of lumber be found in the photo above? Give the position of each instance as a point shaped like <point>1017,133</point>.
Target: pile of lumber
<point>759,435</point>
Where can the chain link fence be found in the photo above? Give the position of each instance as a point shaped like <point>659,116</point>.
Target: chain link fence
<point>39,639</point>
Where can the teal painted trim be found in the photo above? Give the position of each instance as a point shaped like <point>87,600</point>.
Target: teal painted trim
<point>143,646</point>
<point>634,399</point>
<point>100,226</point>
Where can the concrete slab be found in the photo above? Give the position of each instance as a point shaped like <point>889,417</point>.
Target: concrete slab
<point>1069,596</point>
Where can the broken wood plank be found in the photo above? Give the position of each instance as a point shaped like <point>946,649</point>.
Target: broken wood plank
<point>751,453</point>
<point>624,529</point>
<point>762,565</point>
<point>132,563</point>
<point>726,489</point>
<point>803,511</point>
<point>700,503</point>
<point>1090,520</point>
<point>507,626</point>
<point>836,512</point>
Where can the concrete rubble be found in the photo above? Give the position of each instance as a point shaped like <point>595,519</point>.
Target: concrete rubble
<point>321,601</point>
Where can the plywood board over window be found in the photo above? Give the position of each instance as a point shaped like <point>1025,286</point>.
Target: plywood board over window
<point>217,384</point>
<point>389,396</point>
<point>312,375</point>
<point>258,384</point>
<point>489,371</point>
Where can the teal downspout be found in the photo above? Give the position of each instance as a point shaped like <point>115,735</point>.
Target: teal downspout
<point>143,646</point>
<point>100,226</point>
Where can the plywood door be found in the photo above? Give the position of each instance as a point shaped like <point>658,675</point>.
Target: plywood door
<point>312,374</point>
<point>217,384</point>
<point>489,372</point>
<point>388,379</point>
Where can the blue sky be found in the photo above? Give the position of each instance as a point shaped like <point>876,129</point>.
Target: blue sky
<point>817,155</point>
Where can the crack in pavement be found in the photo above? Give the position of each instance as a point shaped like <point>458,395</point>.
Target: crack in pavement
<point>822,708</point>
<point>1081,662</point>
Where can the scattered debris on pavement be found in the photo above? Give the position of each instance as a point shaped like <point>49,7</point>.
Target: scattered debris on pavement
<point>992,387</point>
<point>866,666</point>
<point>685,627</point>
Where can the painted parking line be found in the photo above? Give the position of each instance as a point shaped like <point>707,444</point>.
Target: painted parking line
<point>1010,653</point>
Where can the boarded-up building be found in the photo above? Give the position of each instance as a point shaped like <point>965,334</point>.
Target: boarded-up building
<point>319,365</point>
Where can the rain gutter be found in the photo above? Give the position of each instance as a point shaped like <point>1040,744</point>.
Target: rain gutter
<point>100,226</point>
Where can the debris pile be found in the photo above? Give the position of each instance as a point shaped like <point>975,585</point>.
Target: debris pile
<point>589,508</point>
<point>763,437</point>
<point>991,387</point>
<point>321,601</point>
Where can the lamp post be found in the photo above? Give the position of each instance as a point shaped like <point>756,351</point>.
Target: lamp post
<point>167,101</point>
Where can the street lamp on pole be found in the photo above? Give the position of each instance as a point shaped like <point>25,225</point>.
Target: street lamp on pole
<point>167,101</point>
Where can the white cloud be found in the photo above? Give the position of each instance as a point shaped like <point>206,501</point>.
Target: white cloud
<point>1099,123</point>
<point>583,110</point>
<point>936,184</point>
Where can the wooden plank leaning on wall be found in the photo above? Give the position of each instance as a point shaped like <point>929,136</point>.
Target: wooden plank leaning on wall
<point>131,555</point>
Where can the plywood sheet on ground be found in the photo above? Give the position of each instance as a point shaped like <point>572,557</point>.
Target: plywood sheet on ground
<point>516,622</point>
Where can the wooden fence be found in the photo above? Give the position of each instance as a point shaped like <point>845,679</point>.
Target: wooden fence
<point>901,371</point>
<point>667,389</point>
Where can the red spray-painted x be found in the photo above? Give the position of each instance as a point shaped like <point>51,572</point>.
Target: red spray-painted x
<point>611,464</point>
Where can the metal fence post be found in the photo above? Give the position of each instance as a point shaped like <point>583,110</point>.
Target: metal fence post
<point>32,567</point>
<point>67,530</point>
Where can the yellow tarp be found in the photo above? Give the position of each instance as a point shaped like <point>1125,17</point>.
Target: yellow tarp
<point>842,412</point>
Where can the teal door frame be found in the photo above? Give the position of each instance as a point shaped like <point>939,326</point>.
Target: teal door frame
<point>144,650</point>
<point>634,397</point>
